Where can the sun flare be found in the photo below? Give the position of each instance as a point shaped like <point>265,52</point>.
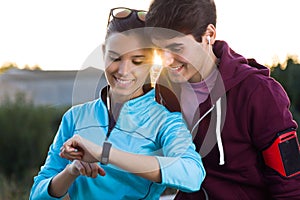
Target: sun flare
<point>156,68</point>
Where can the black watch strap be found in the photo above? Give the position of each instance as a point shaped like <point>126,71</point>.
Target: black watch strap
<point>105,153</point>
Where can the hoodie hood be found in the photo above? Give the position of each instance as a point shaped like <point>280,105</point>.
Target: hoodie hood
<point>233,67</point>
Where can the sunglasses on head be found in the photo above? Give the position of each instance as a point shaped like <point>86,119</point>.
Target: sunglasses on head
<point>123,13</point>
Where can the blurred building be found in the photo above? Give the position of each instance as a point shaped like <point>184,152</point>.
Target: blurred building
<point>52,87</point>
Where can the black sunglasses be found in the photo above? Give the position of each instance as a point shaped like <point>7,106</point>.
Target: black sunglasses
<point>123,13</point>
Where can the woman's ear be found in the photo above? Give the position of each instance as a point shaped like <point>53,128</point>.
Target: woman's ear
<point>103,50</point>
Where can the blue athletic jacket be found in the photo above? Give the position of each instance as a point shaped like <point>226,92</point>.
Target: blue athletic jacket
<point>143,127</point>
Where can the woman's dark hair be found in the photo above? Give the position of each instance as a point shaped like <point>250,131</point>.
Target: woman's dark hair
<point>185,16</point>
<point>124,24</point>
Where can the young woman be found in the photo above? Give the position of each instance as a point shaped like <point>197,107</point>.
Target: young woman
<point>143,148</point>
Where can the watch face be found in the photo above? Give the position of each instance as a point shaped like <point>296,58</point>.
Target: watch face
<point>105,153</point>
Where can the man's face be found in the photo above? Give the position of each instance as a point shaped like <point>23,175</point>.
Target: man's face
<point>184,57</point>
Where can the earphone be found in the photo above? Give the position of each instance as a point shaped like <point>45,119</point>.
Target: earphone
<point>208,39</point>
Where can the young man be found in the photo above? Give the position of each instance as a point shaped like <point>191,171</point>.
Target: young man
<point>239,116</point>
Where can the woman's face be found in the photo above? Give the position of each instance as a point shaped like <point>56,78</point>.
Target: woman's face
<point>127,65</point>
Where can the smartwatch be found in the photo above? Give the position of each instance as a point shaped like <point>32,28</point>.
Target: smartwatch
<point>105,153</point>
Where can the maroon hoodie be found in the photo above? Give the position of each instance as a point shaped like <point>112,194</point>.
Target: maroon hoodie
<point>253,108</point>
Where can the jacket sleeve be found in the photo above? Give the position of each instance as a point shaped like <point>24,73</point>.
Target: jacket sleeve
<point>54,163</point>
<point>269,114</point>
<point>181,166</point>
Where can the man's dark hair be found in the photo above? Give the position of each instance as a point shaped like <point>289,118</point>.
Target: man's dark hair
<point>185,16</point>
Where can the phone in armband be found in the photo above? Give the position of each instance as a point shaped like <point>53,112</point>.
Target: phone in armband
<point>283,155</point>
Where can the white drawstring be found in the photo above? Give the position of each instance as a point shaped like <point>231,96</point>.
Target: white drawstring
<point>205,193</point>
<point>108,100</point>
<point>218,129</point>
<point>218,133</point>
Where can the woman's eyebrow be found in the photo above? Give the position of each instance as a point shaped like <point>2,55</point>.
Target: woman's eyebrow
<point>139,56</point>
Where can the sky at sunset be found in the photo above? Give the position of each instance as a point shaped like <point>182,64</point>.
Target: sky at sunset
<point>61,34</point>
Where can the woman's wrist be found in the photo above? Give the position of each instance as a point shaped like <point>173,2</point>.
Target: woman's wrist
<point>72,170</point>
<point>105,151</point>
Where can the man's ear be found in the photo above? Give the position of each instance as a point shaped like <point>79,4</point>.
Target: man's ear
<point>210,33</point>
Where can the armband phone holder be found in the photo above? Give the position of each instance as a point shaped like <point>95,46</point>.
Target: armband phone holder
<point>283,155</point>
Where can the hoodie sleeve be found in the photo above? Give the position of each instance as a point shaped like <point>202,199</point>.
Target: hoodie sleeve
<point>181,165</point>
<point>54,163</point>
<point>269,114</point>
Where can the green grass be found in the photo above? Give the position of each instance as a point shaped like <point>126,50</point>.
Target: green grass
<point>14,189</point>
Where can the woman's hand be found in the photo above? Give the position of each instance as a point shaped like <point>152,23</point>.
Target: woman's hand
<point>78,148</point>
<point>63,180</point>
<point>77,168</point>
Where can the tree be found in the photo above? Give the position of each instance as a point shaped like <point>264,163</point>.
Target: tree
<point>10,65</point>
<point>287,74</point>
<point>7,66</point>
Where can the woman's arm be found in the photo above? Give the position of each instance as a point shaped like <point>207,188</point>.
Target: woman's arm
<point>179,166</point>
<point>54,178</point>
<point>62,181</point>
<point>141,165</point>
